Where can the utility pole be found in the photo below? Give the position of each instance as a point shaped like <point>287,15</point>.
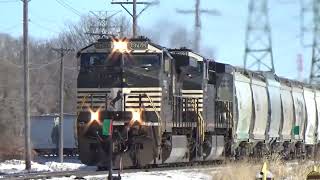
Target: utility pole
<point>26,86</point>
<point>258,45</point>
<point>197,26</point>
<point>62,52</point>
<point>103,27</point>
<point>315,65</point>
<point>134,14</point>
<point>121,27</point>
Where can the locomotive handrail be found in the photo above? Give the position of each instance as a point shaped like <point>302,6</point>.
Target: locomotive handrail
<point>154,108</point>
<point>158,116</point>
<point>82,103</point>
<point>200,121</point>
<point>78,112</point>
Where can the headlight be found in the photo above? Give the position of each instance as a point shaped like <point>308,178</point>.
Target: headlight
<point>94,116</point>
<point>121,46</point>
<point>136,116</point>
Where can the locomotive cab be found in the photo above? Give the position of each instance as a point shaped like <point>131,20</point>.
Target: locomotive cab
<point>188,121</point>
<point>221,101</point>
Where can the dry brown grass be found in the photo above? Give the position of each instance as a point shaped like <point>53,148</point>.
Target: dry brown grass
<point>12,149</point>
<point>237,170</point>
<point>247,170</point>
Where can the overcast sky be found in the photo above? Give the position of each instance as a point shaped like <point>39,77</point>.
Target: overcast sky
<point>225,33</point>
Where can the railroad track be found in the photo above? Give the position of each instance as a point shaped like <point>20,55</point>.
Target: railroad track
<point>47,175</point>
<point>80,174</point>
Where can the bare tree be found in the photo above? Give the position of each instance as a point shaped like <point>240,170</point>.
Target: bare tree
<point>45,70</point>
<point>77,35</point>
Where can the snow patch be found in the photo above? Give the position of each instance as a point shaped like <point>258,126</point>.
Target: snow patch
<point>55,166</point>
<point>161,175</point>
<point>18,166</point>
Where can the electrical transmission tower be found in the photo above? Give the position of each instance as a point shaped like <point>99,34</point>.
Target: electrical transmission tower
<point>103,27</point>
<point>197,26</point>
<point>306,22</point>
<point>134,14</point>
<point>315,65</point>
<point>258,46</point>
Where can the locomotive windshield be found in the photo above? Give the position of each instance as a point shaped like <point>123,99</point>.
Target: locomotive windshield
<point>142,60</point>
<point>89,60</point>
<point>118,70</point>
<point>190,72</point>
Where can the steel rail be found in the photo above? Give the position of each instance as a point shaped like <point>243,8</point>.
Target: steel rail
<point>84,173</point>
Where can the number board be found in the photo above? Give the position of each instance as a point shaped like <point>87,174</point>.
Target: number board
<point>138,45</point>
<point>103,45</point>
<point>182,53</point>
<point>132,45</point>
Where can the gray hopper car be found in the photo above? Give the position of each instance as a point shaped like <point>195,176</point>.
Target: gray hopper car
<point>45,134</point>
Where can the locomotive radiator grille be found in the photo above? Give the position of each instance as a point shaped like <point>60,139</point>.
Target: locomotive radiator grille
<point>91,98</point>
<point>223,117</point>
<point>135,98</point>
<point>198,94</point>
<point>186,112</point>
<point>147,98</point>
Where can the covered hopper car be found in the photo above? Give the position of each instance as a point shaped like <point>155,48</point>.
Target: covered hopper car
<point>45,134</point>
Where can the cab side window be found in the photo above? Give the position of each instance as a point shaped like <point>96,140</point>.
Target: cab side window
<point>212,77</point>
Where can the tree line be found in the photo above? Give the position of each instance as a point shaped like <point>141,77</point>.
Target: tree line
<point>44,71</point>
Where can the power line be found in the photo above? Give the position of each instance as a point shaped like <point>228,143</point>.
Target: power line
<point>11,27</point>
<point>8,1</point>
<point>33,66</point>
<point>37,16</point>
<point>67,6</point>
<point>70,8</point>
<point>12,63</point>
<point>11,98</point>
<point>103,26</point>
<point>134,14</point>
<point>43,27</point>
<point>44,65</point>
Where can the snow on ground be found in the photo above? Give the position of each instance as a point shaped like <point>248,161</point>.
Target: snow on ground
<point>190,174</point>
<point>162,175</point>
<point>233,170</point>
<point>18,166</point>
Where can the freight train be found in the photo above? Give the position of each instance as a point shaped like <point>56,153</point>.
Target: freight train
<point>176,106</point>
